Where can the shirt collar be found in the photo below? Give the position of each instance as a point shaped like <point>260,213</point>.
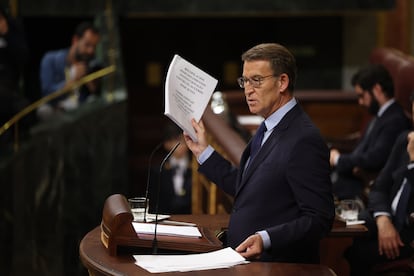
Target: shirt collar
<point>278,115</point>
<point>384,107</point>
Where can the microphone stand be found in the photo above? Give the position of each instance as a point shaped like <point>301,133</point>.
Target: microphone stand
<point>148,178</point>
<point>155,242</point>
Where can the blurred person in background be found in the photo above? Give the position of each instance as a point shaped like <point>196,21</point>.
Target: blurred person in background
<point>61,68</point>
<point>375,90</point>
<point>176,176</point>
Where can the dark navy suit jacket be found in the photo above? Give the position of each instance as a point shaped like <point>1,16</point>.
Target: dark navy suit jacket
<point>371,153</point>
<point>285,190</point>
<point>389,182</point>
<point>373,150</point>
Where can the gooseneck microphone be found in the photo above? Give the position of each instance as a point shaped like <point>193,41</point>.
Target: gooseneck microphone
<point>154,241</point>
<point>148,178</point>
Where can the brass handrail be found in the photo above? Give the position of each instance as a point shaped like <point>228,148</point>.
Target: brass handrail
<point>16,118</point>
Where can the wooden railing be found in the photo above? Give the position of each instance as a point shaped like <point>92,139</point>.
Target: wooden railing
<point>14,121</point>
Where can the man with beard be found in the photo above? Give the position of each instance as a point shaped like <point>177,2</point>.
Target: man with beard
<point>375,90</point>
<point>61,68</point>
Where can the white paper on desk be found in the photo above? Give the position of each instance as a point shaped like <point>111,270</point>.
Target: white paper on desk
<point>222,258</point>
<point>354,222</point>
<point>169,230</point>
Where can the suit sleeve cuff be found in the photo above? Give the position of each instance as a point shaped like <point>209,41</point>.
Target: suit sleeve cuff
<point>266,239</point>
<point>205,154</point>
<point>377,214</point>
<point>336,159</point>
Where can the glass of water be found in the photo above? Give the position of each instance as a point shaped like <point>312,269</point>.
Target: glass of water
<point>349,209</point>
<point>138,207</point>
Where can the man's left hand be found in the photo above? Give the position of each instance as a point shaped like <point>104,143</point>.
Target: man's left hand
<point>251,248</point>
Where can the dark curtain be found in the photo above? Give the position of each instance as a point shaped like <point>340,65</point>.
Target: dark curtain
<point>54,188</point>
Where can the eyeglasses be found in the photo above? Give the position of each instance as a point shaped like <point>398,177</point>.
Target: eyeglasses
<point>255,81</point>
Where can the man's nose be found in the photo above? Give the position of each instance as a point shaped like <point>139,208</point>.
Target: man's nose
<point>248,89</point>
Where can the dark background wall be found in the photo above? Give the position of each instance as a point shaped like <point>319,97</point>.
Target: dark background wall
<point>196,6</point>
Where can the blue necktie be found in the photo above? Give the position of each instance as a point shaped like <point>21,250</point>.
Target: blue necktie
<point>401,212</point>
<point>257,140</point>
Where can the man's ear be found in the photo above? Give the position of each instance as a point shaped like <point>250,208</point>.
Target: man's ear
<point>284,82</point>
<point>377,91</point>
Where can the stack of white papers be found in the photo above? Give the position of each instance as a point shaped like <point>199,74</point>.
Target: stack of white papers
<point>223,258</point>
<point>169,230</point>
<point>354,222</point>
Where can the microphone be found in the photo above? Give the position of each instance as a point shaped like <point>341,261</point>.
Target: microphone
<point>148,178</point>
<point>155,242</point>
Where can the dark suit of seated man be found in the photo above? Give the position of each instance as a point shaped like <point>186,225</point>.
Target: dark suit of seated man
<point>375,90</point>
<point>283,203</point>
<point>389,216</point>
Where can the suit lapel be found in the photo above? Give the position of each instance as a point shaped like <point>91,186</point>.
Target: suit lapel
<point>272,142</point>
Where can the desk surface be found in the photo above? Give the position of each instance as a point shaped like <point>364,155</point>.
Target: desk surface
<point>97,260</point>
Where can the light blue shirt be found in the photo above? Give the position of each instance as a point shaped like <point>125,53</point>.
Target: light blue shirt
<point>384,107</point>
<point>52,71</point>
<point>394,203</point>
<point>271,122</point>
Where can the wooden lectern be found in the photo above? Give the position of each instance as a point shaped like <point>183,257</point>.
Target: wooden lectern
<point>117,231</point>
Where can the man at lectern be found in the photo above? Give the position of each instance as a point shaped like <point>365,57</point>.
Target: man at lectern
<point>283,202</point>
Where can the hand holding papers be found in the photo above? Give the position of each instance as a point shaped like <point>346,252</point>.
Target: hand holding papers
<point>223,258</point>
<point>187,93</point>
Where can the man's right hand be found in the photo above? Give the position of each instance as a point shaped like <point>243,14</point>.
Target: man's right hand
<point>80,70</point>
<point>197,147</point>
<point>389,241</point>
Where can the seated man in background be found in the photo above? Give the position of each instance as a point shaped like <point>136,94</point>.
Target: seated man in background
<point>390,213</point>
<point>175,182</point>
<point>375,89</point>
<point>61,68</point>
